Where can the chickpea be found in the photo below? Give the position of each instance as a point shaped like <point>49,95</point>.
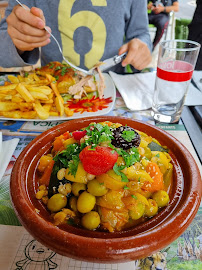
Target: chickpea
<point>91,220</point>
<point>57,202</point>
<point>161,197</point>
<point>77,187</point>
<point>151,209</point>
<point>85,202</point>
<point>96,189</point>
<point>137,212</point>
<point>61,174</point>
<point>90,176</point>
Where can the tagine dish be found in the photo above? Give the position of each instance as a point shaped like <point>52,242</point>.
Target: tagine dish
<point>105,189</point>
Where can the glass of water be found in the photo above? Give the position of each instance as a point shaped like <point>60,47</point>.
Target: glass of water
<point>176,62</point>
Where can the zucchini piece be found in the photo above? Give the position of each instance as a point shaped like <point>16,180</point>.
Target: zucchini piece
<point>156,147</point>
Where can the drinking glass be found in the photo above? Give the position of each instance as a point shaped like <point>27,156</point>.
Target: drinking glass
<point>176,62</point>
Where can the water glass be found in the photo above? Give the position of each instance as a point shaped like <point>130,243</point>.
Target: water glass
<point>176,62</point>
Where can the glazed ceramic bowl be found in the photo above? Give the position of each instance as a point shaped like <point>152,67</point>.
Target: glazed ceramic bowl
<point>134,243</point>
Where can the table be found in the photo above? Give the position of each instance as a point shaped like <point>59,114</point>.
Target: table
<point>184,253</point>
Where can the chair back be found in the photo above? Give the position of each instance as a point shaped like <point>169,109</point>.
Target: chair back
<point>181,28</point>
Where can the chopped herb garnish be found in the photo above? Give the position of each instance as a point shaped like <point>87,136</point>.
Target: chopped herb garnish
<point>63,71</point>
<point>118,170</point>
<point>51,65</point>
<point>57,68</point>
<point>98,133</point>
<point>56,77</point>
<point>73,165</point>
<point>26,74</point>
<point>125,187</point>
<point>128,135</point>
<point>69,157</point>
<point>157,155</point>
<point>133,196</point>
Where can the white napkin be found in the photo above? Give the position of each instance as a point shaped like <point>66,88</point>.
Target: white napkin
<point>137,90</point>
<point>6,152</point>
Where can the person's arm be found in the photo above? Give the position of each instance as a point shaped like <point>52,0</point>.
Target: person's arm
<point>167,9</point>
<point>20,36</point>
<point>138,43</point>
<point>174,7</point>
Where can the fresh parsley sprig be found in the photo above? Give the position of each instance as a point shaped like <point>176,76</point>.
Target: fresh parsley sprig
<point>69,157</point>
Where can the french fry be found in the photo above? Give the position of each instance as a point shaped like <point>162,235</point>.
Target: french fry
<point>36,78</point>
<point>8,87</point>
<point>55,90</point>
<point>13,79</point>
<point>17,99</point>
<point>38,95</point>
<point>54,87</point>
<point>68,112</point>
<point>21,78</point>
<point>8,106</point>
<point>22,90</point>
<point>19,114</point>
<point>41,112</point>
<point>53,113</point>
<point>50,101</point>
<point>2,97</point>
<point>25,106</point>
<point>47,107</point>
<point>59,105</point>
<point>46,90</point>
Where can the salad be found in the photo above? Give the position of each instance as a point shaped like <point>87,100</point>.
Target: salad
<point>105,177</point>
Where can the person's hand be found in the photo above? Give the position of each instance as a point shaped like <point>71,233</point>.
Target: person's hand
<point>150,6</point>
<point>158,9</point>
<point>138,54</point>
<point>26,28</point>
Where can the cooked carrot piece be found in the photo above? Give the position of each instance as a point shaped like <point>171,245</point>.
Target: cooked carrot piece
<point>154,171</point>
<point>45,179</point>
<point>58,143</point>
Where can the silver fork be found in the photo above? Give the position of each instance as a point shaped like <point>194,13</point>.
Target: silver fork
<point>90,72</point>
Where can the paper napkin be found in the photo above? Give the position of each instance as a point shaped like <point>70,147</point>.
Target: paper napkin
<point>137,90</point>
<point>6,151</point>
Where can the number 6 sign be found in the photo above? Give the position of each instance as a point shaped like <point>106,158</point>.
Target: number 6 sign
<point>69,23</point>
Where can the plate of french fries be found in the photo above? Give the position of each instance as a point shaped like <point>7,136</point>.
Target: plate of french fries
<point>55,92</point>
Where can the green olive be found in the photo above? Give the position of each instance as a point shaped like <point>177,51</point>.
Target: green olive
<point>151,209</point>
<point>96,188</point>
<point>137,212</point>
<point>77,187</point>
<point>72,203</point>
<point>161,197</point>
<point>57,202</point>
<point>85,202</point>
<point>91,220</point>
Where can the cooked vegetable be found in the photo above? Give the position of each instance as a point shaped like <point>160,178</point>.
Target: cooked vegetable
<point>85,202</point>
<point>57,202</point>
<point>91,220</point>
<point>105,177</point>
<point>161,197</point>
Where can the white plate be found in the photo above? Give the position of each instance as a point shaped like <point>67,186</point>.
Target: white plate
<point>109,91</point>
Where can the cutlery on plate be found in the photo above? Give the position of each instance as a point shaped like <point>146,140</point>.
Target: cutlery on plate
<point>108,63</point>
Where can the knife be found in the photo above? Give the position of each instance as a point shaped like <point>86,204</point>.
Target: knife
<point>110,62</point>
